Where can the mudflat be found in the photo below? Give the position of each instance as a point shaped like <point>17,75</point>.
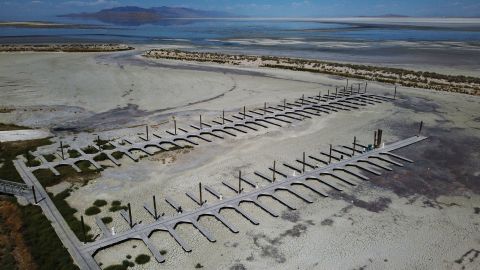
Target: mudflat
<point>424,215</point>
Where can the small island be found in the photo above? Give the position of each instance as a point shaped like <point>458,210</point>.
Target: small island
<point>74,47</point>
<point>404,77</point>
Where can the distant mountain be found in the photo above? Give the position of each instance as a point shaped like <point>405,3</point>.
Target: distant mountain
<point>133,15</point>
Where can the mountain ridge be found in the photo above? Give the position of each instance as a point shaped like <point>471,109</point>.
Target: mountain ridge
<point>140,15</point>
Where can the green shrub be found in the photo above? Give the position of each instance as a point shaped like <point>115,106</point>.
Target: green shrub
<point>100,203</point>
<point>92,210</point>
<point>116,267</point>
<point>142,259</point>
<point>73,153</point>
<point>49,157</point>
<point>47,250</point>
<point>68,214</point>
<point>116,203</point>
<point>107,220</point>
<point>128,263</point>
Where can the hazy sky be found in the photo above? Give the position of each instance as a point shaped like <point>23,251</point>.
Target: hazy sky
<point>38,9</point>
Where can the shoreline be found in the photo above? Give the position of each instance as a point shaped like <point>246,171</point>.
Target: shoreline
<point>74,47</point>
<point>400,76</point>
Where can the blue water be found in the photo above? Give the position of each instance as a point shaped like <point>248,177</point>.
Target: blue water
<point>330,41</point>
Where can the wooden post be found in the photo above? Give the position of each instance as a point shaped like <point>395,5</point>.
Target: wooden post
<point>354,144</point>
<point>83,230</point>
<point>420,128</point>
<point>274,170</point>
<point>284,104</point>
<point>264,108</point>
<point>347,84</point>
<point>375,139</point>
<point>319,96</point>
<point>130,215</point>
<point>358,91</point>
<point>330,155</point>
<point>200,190</point>
<point>175,126</point>
<point>239,182</point>
<point>303,98</point>
<point>303,163</point>
<point>244,112</point>
<point>328,93</point>
<point>223,117</point>
<point>395,93</point>
<point>61,148</point>
<point>155,207</point>
<point>147,131</point>
<point>34,195</point>
<point>201,121</point>
<point>366,84</point>
<point>379,138</point>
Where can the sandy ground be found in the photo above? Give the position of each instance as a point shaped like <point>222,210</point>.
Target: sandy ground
<point>21,135</point>
<point>423,216</point>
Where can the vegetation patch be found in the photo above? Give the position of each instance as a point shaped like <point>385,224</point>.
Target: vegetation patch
<point>10,150</point>
<point>142,259</point>
<point>49,157</point>
<point>90,150</point>
<point>101,157</point>
<point>8,127</point>
<point>117,155</point>
<point>31,242</point>
<point>73,153</point>
<point>67,173</point>
<point>107,220</point>
<point>68,214</point>
<point>128,263</point>
<point>92,210</point>
<point>117,206</point>
<point>116,267</point>
<point>100,203</point>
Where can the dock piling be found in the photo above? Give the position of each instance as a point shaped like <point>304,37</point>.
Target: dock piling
<point>330,155</point>
<point>83,230</point>
<point>61,149</point>
<point>274,170</point>
<point>155,207</point>
<point>420,128</point>
<point>354,145</point>
<point>303,163</point>
<point>130,215</point>
<point>34,195</point>
<point>200,191</point>
<point>239,182</point>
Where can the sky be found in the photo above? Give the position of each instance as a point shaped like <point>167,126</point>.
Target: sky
<point>42,9</point>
